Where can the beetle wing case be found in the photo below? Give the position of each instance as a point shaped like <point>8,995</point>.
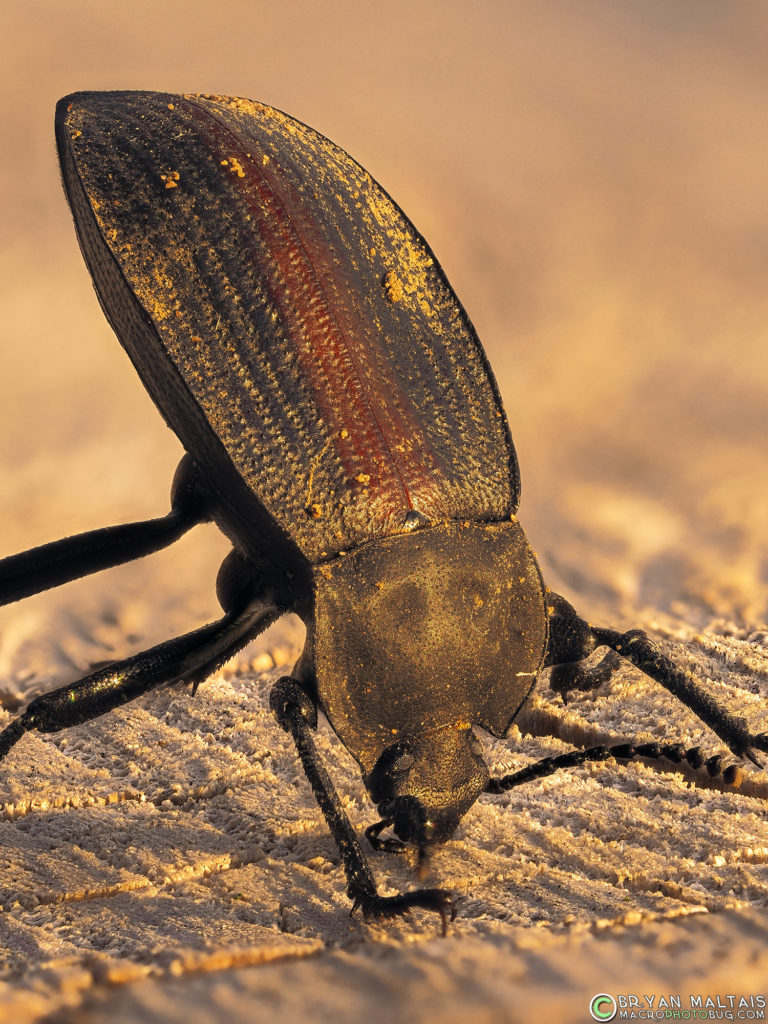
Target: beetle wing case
<point>425,630</point>
<point>291,324</point>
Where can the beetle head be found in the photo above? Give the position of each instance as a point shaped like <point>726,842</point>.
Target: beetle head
<point>425,784</point>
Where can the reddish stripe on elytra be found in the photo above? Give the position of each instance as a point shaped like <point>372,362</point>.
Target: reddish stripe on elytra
<point>332,342</point>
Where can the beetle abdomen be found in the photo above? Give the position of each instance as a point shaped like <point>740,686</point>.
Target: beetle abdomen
<point>298,310</point>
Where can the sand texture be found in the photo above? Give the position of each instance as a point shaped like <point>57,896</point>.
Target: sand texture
<point>592,177</point>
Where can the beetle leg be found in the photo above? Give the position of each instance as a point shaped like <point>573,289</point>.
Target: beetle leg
<point>572,639</point>
<point>51,565</point>
<point>572,675</point>
<point>297,714</point>
<point>568,645</point>
<point>189,658</point>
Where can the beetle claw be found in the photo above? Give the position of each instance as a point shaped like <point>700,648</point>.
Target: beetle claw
<point>385,907</point>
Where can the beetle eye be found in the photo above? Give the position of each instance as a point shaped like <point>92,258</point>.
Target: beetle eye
<point>401,764</point>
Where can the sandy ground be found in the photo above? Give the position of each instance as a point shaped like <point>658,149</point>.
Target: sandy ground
<point>592,177</point>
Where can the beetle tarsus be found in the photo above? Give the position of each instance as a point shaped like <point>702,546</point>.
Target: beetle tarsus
<point>377,907</point>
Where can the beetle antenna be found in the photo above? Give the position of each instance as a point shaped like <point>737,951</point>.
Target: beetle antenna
<point>732,774</point>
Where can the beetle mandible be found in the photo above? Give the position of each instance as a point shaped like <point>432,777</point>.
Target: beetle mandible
<point>343,428</point>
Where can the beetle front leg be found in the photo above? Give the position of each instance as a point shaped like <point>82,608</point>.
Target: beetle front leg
<point>573,675</point>
<point>569,644</point>
<point>297,714</point>
<point>572,639</point>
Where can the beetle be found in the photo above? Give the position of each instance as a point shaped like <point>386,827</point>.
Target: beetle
<point>343,428</point>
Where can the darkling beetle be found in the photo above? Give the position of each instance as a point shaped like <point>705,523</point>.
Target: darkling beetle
<point>344,430</point>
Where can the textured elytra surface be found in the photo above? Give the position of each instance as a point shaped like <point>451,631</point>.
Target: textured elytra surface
<point>298,309</point>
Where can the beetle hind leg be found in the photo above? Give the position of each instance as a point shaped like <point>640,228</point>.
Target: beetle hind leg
<point>572,639</point>
<point>61,561</point>
<point>297,714</point>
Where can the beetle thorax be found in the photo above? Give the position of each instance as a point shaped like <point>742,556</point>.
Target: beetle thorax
<point>419,636</point>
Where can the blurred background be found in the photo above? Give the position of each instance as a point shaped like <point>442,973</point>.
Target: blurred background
<point>591,176</point>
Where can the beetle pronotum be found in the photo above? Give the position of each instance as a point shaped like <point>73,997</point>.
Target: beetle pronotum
<point>344,430</point>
